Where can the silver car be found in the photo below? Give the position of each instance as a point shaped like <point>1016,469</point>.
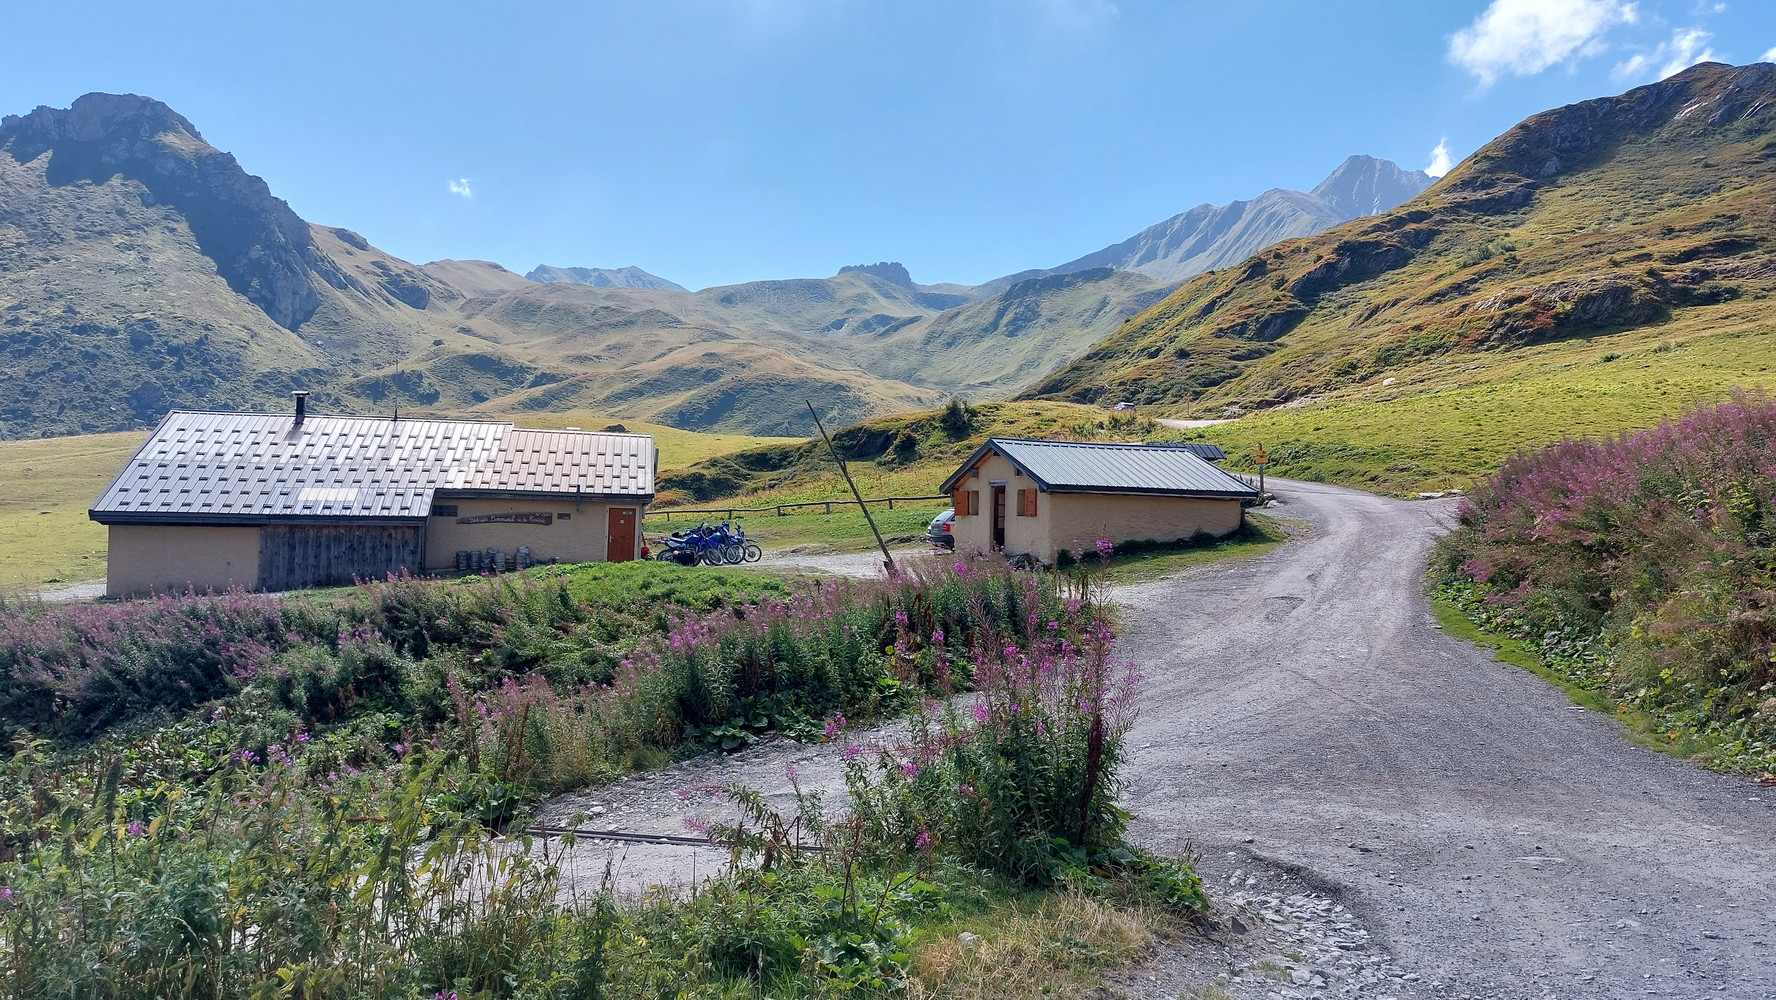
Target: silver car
<point>939,532</point>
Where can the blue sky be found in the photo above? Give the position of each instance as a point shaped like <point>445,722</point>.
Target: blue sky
<point>715,142</point>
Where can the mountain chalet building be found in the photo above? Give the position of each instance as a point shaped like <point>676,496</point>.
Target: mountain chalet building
<point>281,501</point>
<point>1036,498</point>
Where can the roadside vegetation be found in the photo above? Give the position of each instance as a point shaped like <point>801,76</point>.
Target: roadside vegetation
<point>1641,568</point>
<point>244,796</point>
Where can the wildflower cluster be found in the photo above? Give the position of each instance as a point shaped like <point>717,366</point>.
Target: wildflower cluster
<point>1644,565</point>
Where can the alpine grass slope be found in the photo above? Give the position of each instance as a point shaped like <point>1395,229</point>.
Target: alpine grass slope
<point>1602,263</point>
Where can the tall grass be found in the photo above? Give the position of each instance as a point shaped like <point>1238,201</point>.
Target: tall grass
<point>1647,564</point>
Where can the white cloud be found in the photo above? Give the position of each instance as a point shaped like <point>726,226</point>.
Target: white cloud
<point>461,186</point>
<point>1687,47</point>
<point>1524,37</point>
<point>1440,159</point>
<point>1769,56</point>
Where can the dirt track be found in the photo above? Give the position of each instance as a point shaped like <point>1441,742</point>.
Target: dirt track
<point>1494,839</point>
<point>1305,724</point>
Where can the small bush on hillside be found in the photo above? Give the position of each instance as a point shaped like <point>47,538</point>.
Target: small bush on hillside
<point>958,418</point>
<point>1650,556</point>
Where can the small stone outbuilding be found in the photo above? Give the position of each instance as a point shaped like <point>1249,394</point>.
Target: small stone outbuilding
<point>1035,498</point>
<point>281,501</point>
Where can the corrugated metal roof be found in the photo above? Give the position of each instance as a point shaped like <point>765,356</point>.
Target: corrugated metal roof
<point>1201,449</point>
<point>235,466</point>
<point>1076,467</point>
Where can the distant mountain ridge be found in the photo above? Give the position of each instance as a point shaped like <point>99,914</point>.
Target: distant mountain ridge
<point>142,269</point>
<point>603,277</point>
<point>1208,237</point>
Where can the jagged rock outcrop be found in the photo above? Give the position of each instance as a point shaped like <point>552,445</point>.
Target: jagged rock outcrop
<point>891,271</point>
<point>261,247</point>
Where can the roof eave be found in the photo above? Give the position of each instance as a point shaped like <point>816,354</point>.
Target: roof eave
<point>468,493</point>
<point>949,485</point>
<point>1140,491</point>
<point>148,517</point>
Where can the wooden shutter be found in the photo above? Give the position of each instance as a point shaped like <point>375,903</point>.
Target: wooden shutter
<point>959,503</point>
<point>1027,503</point>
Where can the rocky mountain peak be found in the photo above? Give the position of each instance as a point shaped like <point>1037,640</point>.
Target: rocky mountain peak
<point>261,247</point>
<point>891,271</point>
<point>1365,185</point>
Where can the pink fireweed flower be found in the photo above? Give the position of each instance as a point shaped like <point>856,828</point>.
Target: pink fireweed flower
<point>833,725</point>
<point>923,842</point>
<point>6,895</point>
<point>790,772</point>
<point>900,617</point>
<point>853,751</point>
<point>136,828</point>
<point>1105,548</point>
<point>961,568</point>
<point>302,737</point>
<point>980,713</point>
<point>910,769</point>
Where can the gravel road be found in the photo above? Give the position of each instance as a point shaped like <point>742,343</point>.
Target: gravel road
<point>1303,713</point>
<point>1384,809</point>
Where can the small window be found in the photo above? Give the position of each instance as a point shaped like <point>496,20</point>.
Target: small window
<point>443,510</point>
<point>563,517</point>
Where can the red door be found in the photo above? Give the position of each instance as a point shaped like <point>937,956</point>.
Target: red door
<point>620,543</point>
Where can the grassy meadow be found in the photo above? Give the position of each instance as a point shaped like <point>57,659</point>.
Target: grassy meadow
<point>1451,421</point>
<point>48,485</point>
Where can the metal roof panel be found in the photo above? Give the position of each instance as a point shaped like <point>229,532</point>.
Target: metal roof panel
<point>1070,466</point>
<point>206,463</point>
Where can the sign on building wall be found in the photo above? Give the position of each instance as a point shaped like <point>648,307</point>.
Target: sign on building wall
<point>508,517</point>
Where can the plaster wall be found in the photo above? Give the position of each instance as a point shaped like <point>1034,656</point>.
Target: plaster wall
<point>572,536</point>
<point>144,559</point>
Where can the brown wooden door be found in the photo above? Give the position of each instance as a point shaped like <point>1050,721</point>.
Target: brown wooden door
<point>998,517</point>
<point>620,544</point>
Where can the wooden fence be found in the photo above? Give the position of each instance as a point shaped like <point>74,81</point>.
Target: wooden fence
<point>782,509</point>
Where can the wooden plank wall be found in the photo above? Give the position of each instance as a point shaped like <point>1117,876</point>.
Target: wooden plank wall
<point>294,556</point>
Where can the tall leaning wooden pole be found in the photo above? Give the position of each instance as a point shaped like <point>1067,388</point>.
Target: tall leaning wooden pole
<point>887,560</point>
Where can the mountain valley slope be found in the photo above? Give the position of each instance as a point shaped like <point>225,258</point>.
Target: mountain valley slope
<point>1632,231</point>
<point>142,269</point>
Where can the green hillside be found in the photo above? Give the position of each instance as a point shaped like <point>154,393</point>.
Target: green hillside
<point>142,269</point>
<point>1599,266</point>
